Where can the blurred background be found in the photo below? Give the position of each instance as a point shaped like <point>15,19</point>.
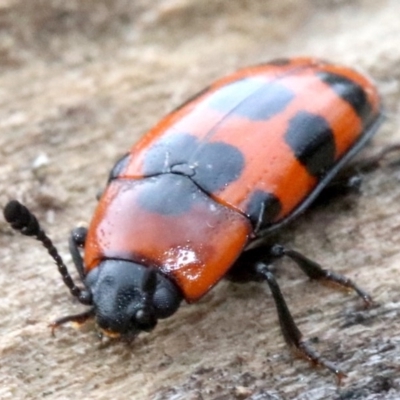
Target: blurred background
<point>80,82</point>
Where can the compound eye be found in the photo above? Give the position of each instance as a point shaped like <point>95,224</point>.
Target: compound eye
<point>145,319</point>
<point>166,300</point>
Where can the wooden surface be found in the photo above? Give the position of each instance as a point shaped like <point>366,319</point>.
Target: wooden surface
<point>80,82</point>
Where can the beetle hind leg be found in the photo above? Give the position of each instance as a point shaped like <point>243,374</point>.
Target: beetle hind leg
<point>346,183</point>
<point>315,272</point>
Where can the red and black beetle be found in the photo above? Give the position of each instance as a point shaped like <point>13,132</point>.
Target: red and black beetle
<point>195,198</point>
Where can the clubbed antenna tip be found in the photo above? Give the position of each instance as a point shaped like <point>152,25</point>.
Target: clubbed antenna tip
<point>22,220</point>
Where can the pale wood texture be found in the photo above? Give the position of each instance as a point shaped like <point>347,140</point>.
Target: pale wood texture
<point>80,82</point>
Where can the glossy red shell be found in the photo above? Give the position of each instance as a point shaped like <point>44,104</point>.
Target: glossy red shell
<point>238,159</point>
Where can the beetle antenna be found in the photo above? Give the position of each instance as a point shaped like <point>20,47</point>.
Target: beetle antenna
<point>24,221</point>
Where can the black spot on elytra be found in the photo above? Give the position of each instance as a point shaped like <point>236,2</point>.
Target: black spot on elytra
<point>255,99</point>
<point>262,209</point>
<point>218,164</point>
<point>168,194</point>
<point>119,166</point>
<point>349,91</point>
<point>168,151</point>
<point>311,140</point>
<point>211,165</point>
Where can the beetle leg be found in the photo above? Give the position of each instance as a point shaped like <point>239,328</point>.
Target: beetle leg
<point>384,156</point>
<point>260,271</point>
<point>79,319</point>
<point>348,182</point>
<point>314,271</point>
<point>290,331</point>
<point>77,239</point>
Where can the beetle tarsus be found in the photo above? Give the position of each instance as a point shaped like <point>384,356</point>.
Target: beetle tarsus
<point>305,351</point>
<point>79,319</point>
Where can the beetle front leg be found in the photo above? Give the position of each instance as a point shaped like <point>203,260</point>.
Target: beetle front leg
<point>79,319</point>
<point>77,240</point>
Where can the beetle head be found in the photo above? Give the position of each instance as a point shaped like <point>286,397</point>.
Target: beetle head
<point>129,298</point>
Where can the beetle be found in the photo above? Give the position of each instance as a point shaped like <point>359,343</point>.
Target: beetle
<point>199,196</point>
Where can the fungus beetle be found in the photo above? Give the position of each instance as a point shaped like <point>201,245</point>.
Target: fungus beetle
<point>194,200</point>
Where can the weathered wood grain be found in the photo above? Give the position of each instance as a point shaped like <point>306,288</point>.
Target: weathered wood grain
<point>80,81</point>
